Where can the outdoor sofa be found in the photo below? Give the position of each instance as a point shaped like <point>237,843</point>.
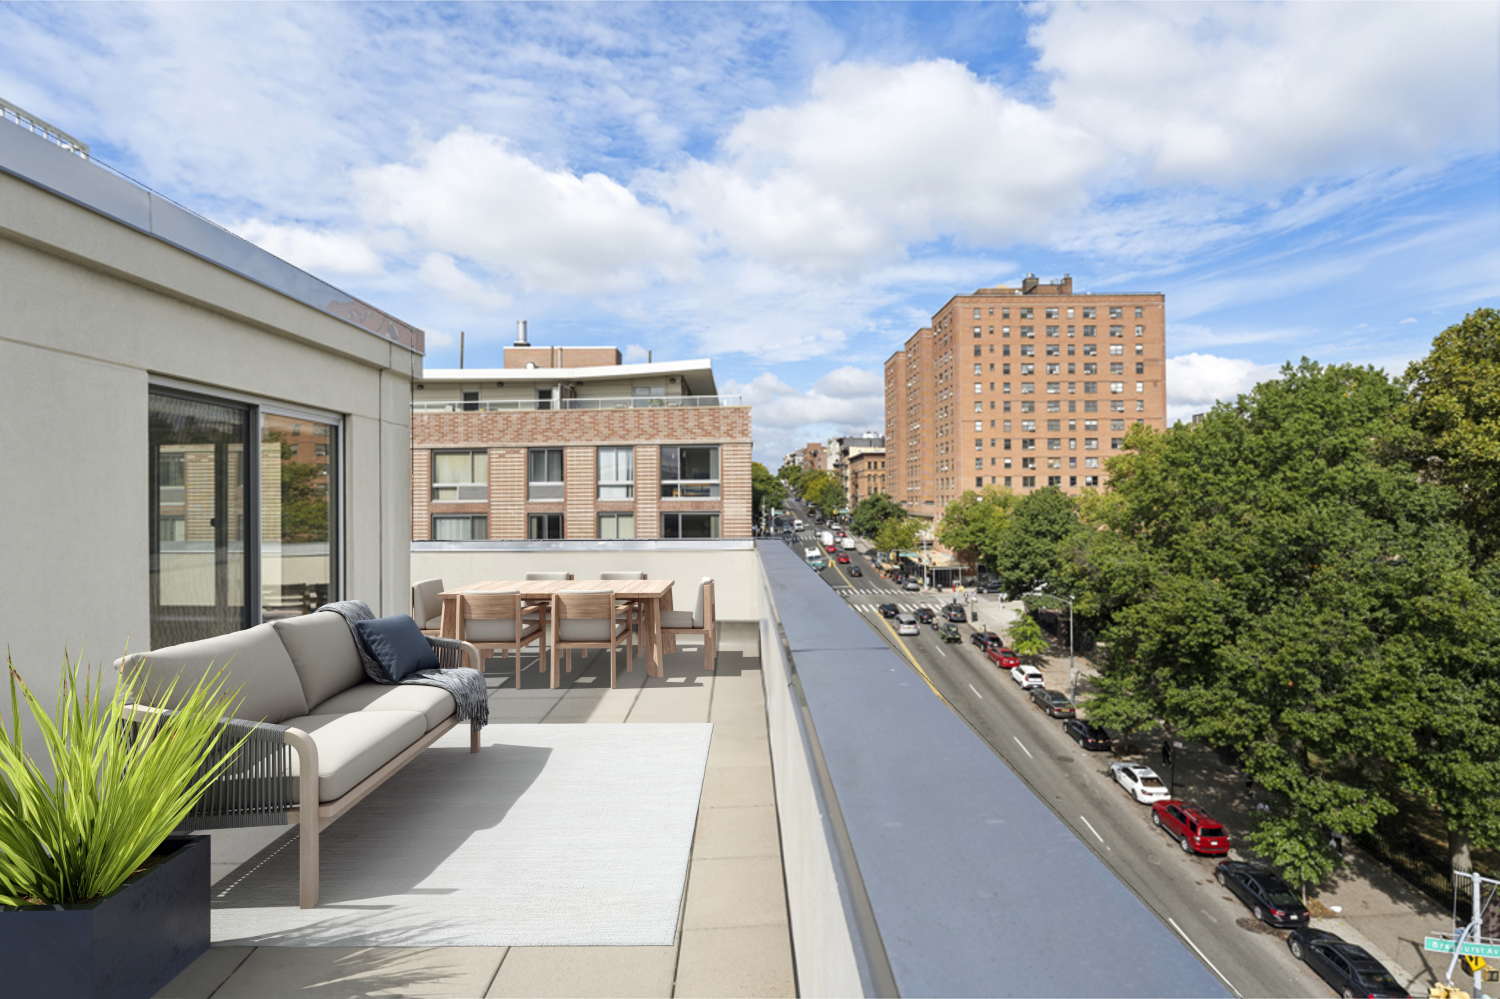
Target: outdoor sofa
<point>319,730</point>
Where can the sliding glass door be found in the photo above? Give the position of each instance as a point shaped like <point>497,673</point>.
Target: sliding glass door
<point>299,464</point>
<point>199,482</point>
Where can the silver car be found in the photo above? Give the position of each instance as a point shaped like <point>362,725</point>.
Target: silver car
<point>907,625</point>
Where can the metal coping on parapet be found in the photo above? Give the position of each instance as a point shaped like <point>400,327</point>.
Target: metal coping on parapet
<point>25,119</point>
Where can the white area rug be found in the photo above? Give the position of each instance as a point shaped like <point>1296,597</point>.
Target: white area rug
<point>551,835</point>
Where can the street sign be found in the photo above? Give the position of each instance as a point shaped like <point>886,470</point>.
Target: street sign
<point>1441,946</point>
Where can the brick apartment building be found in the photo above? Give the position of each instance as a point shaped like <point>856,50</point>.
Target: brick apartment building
<point>568,442</point>
<point>859,463</point>
<point>1023,387</point>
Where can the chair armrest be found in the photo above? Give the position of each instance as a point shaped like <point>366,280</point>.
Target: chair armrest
<point>452,653</point>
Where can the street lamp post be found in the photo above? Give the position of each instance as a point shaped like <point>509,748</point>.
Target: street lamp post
<point>1072,671</point>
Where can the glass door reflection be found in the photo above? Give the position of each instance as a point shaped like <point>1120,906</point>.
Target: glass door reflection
<point>298,515</point>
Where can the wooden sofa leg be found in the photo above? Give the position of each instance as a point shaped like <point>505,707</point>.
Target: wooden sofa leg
<point>474,738</point>
<point>308,859</point>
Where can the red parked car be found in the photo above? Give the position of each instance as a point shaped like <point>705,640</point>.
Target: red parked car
<point>1194,829</point>
<point>1002,657</point>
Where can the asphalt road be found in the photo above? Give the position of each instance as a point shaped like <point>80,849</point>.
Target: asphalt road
<point>1251,959</point>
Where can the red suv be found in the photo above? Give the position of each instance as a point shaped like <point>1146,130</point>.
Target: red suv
<point>1194,829</point>
<point>1002,657</point>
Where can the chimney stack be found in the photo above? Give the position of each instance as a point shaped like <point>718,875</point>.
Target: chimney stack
<point>520,334</point>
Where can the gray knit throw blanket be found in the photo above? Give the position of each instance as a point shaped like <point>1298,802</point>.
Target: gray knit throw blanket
<point>466,685</point>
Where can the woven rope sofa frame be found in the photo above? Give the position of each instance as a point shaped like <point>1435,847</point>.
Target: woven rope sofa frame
<point>255,789</point>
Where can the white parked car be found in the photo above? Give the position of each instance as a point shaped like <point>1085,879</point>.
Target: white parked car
<point>1027,676</point>
<point>907,625</point>
<point>1141,783</point>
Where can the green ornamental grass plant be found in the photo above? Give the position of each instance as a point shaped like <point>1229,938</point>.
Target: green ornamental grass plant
<point>116,789</point>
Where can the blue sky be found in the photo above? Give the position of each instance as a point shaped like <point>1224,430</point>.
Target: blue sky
<point>792,190</point>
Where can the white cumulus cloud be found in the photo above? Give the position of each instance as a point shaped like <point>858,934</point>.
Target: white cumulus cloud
<point>315,251</point>
<point>1196,381</point>
<point>441,271</point>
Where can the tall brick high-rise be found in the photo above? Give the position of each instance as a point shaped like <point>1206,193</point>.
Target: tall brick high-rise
<point>1023,387</point>
<point>567,442</point>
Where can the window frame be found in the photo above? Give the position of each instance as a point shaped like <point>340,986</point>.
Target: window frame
<point>548,486</point>
<point>470,517</point>
<point>614,516</point>
<point>479,489</point>
<point>533,518</point>
<point>675,518</point>
<point>601,484</point>
<point>677,488</point>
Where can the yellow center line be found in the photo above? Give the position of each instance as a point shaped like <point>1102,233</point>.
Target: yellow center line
<point>913,660</point>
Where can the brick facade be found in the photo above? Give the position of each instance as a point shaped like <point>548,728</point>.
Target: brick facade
<point>1021,388</point>
<point>506,436</point>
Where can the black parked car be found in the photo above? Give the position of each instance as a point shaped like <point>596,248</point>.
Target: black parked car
<point>925,616</point>
<point>1055,704</point>
<point>984,639</point>
<point>855,570</point>
<point>1347,968</point>
<point>1090,737</point>
<point>993,586</point>
<point>954,612</point>
<point>1270,899</point>
<point>889,610</point>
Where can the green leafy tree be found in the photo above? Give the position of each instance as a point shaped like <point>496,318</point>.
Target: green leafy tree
<point>1453,401</point>
<point>974,523</point>
<point>304,501</point>
<point>1026,638</point>
<point>871,513</point>
<point>897,535</point>
<point>1030,550</point>
<point>1275,586</point>
<point>766,490</point>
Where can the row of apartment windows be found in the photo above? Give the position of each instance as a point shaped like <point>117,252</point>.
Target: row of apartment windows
<point>549,526</point>
<point>1055,350</point>
<point>1053,312</point>
<point>1055,388</point>
<point>686,472</point>
<point>1089,368</point>
<point>1029,332</point>
<point>1029,426</point>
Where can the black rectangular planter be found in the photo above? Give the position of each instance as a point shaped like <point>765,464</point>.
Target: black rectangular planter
<point>127,945</point>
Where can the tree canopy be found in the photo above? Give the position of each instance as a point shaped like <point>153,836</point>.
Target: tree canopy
<point>897,535</point>
<point>1029,550</point>
<point>973,524</point>
<point>766,490</point>
<point>871,513</point>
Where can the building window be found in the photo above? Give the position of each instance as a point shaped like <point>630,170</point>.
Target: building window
<point>543,398</point>
<point>1117,348</point>
<point>1089,425</point>
<point>978,387</point>
<point>1117,388</point>
<point>1054,388</point>
<point>471,401</point>
<point>690,472</point>
<point>544,476</point>
<point>1052,313</point>
<point>690,525</point>
<point>1091,463</point>
<point>460,475</point>
<point>1052,330</point>
<point>616,526</point>
<point>1116,312</point>
<point>1054,480</point>
<point>1115,442</point>
<point>1117,331</point>
<point>1091,443</point>
<point>1027,331</point>
<point>1117,368</point>
<point>1140,405</point>
<point>1025,313</point>
<point>1054,443</point>
<point>1117,424</point>
<point>463,527</point>
<point>616,473</point>
<point>544,526</point>
<point>1140,312</point>
<point>1090,369</point>
<point>1028,482</point>
<point>1140,331</point>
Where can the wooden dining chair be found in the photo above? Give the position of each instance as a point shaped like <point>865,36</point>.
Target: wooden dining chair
<point>701,621</point>
<point>630,608</point>
<point>538,608</point>
<point>587,619</point>
<point>496,622</point>
<point>427,606</point>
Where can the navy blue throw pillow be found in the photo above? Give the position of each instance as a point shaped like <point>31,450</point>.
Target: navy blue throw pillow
<point>397,644</point>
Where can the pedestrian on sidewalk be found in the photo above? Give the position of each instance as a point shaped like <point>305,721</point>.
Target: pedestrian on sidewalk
<point>1166,752</point>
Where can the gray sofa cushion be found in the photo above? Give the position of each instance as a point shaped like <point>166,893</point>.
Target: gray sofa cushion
<point>322,649</point>
<point>353,746</point>
<point>253,660</point>
<point>433,703</point>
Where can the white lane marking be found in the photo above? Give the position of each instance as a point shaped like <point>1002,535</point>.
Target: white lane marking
<point>942,653</point>
<point>981,697</point>
<point>1023,748</point>
<point>1091,828</point>
<point>1203,955</point>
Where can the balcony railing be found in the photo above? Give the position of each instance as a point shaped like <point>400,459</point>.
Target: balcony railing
<point>612,402</point>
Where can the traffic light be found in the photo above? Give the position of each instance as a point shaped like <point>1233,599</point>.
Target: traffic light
<point>1473,963</point>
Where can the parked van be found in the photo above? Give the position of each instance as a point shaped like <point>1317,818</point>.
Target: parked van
<point>848,543</point>
<point>797,525</point>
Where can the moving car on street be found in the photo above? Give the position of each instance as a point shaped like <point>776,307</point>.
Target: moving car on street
<point>809,553</point>
<point>1054,703</point>
<point>1141,783</point>
<point>955,613</point>
<point>1027,676</point>
<point>1194,829</point>
<point>843,559</point>
<point>913,585</point>
<point>855,570</point>
<point>1090,737</point>
<point>950,633</point>
<point>1347,968</point>
<point>1268,897</point>
<point>907,625</point>
<point>888,610</point>
<point>925,615</point>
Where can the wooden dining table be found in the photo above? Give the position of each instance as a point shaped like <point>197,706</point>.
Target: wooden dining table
<point>654,596</point>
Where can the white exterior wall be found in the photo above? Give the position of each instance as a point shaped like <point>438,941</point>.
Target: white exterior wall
<point>91,311</point>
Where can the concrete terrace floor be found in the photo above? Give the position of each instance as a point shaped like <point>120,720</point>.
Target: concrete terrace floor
<point>733,937</point>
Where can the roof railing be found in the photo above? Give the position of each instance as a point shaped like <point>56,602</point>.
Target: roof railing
<point>611,402</point>
<point>30,122</point>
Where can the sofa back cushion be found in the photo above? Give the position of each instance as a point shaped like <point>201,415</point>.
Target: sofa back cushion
<point>322,649</point>
<point>253,660</point>
<point>398,645</point>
